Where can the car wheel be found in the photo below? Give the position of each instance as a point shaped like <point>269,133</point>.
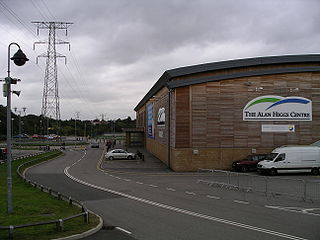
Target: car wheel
<point>273,171</point>
<point>111,158</point>
<point>130,157</point>
<point>314,171</point>
<point>244,169</point>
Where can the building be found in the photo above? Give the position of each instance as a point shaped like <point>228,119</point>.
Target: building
<point>209,115</point>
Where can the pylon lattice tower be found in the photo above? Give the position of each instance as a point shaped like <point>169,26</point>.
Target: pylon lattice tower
<point>50,98</point>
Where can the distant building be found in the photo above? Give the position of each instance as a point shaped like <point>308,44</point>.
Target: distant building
<point>208,115</point>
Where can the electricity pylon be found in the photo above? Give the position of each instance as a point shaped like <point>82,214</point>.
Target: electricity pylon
<point>50,97</point>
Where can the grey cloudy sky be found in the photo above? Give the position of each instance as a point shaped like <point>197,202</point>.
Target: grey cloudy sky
<point>119,48</point>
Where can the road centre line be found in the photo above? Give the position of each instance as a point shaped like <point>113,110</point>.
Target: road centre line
<point>190,193</point>
<point>139,183</point>
<point>123,230</point>
<point>213,197</point>
<point>240,202</point>
<point>184,211</point>
<point>171,189</point>
<point>151,185</point>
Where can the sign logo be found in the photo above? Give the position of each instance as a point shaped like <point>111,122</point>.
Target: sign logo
<point>161,117</point>
<point>150,121</point>
<point>277,108</point>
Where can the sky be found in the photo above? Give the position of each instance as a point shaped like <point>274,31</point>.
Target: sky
<point>120,48</point>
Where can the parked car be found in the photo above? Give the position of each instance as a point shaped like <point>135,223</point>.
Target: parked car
<point>119,154</point>
<point>249,163</point>
<point>21,136</point>
<point>94,145</point>
<point>3,153</point>
<point>292,159</point>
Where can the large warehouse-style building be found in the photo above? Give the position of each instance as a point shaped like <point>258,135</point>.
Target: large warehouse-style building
<point>209,115</point>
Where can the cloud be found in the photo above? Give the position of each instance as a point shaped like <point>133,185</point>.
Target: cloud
<point>120,48</point>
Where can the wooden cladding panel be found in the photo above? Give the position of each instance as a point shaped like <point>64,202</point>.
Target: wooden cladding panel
<point>182,125</point>
<point>210,114</point>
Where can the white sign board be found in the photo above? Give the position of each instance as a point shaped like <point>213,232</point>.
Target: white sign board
<point>277,108</point>
<point>161,119</point>
<point>277,128</point>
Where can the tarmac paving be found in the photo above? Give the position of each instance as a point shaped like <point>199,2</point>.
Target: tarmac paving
<point>147,164</point>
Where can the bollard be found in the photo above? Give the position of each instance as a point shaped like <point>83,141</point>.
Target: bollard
<point>86,217</point>
<point>11,228</point>
<point>70,200</point>
<point>59,225</point>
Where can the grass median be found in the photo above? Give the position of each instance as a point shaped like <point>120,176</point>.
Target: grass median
<point>30,205</point>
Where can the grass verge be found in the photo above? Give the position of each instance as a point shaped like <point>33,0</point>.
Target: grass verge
<point>30,205</point>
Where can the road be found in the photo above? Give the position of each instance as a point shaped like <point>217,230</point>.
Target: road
<point>155,205</point>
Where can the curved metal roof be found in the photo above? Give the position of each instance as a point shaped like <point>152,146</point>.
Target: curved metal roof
<point>164,80</point>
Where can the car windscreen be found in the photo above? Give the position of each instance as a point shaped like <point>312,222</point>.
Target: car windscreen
<point>271,156</point>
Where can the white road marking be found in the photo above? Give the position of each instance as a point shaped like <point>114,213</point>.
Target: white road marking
<point>118,178</point>
<point>139,183</point>
<point>240,202</point>
<point>184,211</point>
<point>294,210</point>
<point>190,193</point>
<point>151,185</point>
<point>127,180</point>
<point>171,189</point>
<point>123,230</point>
<point>213,197</point>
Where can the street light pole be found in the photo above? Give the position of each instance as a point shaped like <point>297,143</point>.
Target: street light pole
<point>19,59</point>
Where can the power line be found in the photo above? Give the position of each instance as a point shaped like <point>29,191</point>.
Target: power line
<point>13,14</point>
<point>39,11</point>
<point>48,10</point>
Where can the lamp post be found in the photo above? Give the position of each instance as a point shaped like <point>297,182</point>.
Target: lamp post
<point>19,58</point>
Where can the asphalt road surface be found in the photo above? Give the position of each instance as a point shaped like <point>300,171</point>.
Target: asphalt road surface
<point>166,205</point>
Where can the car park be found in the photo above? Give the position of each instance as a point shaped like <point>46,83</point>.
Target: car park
<point>119,154</point>
<point>249,163</point>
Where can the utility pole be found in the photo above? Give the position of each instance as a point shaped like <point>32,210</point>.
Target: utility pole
<point>102,116</point>
<point>50,97</point>
<point>16,110</point>
<point>75,125</point>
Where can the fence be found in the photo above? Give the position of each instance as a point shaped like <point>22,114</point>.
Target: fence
<point>58,222</point>
<point>276,186</point>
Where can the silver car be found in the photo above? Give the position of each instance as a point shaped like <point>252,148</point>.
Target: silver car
<point>119,154</point>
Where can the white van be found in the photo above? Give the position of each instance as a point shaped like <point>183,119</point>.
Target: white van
<point>291,159</point>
